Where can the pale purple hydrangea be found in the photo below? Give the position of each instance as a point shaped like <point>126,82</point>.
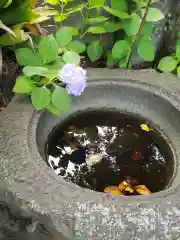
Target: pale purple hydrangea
<point>75,79</point>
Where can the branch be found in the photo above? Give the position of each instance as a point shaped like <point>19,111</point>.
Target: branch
<point>138,34</point>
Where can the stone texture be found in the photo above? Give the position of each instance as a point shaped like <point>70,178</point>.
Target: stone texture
<point>168,42</point>
<point>29,188</point>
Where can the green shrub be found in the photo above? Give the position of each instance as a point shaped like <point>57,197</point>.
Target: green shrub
<point>171,63</point>
<point>134,18</point>
<point>17,15</point>
<point>42,66</point>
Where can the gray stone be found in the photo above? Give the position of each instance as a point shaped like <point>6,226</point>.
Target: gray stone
<point>31,190</point>
<point>160,31</point>
<point>168,42</point>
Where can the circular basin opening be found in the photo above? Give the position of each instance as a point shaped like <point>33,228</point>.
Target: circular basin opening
<point>98,149</point>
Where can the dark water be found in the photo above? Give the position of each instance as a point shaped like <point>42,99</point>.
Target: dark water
<point>120,146</point>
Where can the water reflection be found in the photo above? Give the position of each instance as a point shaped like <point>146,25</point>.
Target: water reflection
<point>97,156</point>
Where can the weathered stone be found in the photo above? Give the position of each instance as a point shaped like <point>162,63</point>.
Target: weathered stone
<point>168,42</point>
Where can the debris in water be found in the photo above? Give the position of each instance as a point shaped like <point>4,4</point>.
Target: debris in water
<point>137,156</point>
<point>145,127</point>
<point>113,190</point>
<point>123,185</point>
<point>129,189</point>
<point>94,159</point>
<point>98,149</point>
<point>142,189</point>
<point>125,188</point>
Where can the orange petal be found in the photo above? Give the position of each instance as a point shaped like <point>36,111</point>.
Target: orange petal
<point>123,185</point>
<point>137,156</point>
<point>142,189</point>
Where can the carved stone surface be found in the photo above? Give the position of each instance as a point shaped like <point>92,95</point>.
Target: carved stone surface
<point>44,206</point>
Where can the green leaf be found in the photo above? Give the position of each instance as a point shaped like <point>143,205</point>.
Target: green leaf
<point>119,4</point>
<point>95,51</point>
<point>60,18</point>
<point>178,71</point>
<point>111,26</point>
<point>117,13</point>
<point>77,46</point>
<point>123,63</point>
<point>98,19</point>
<point>178,51</point>
<point>53,109</point>
<point>31,71</point>
<point>55,65</point>
<point>64,36</point>
<point>74,31</point>
<point>96,30</point>
<point>147,29</point>
<point>48,47</point>
<point>7,29</point>
<point>178,42</point>
<point>3,3</point>
<point>6,39</point>
<point>8,3</point>
<point>52,2</point>
<point>96,3</point>
<point>26,56</point>
<point>71,57</point>
<point>167,64</point>
<point>61,99</point>
<point>145,49</point>
<point>76,8</point>
<point>40,97</point>
<point>23,85</point>
<point>121,49</point>
<point>154,15</point>
<point>110,61</point>
<point>131,26</point>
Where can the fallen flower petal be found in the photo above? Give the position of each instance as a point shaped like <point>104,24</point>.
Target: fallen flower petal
<point>142,189</point>
<point>113,190</point>
<point>145,127</point>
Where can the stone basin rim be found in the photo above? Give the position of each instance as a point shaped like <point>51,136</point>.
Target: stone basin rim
<point>35,184</point>
<point>129,82</point>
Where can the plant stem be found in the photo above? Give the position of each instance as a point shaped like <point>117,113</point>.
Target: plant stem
<point>82,33</point>
<point>117,143</point>
<point>138,34</point>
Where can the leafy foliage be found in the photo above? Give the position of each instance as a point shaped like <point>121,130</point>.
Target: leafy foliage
<point>135,21</point>
<point>18,15</point>
<point>42,79</point>
<point>95,51</point>
<point>171,63</point>
<point>41,71</point>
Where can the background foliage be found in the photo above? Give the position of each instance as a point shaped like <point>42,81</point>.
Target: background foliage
<point>133,18</point>
<point>41,71</point>
<point>18,18</point>
<point>42,63</point>
<point>171,63</point>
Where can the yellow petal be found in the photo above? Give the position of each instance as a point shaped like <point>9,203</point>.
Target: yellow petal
<point>145,127</point>
<point>113,190</point>
<point>123,185</point>
<point>129,189</point>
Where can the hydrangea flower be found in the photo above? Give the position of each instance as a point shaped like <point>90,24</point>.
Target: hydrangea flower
<point>74,78</point>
